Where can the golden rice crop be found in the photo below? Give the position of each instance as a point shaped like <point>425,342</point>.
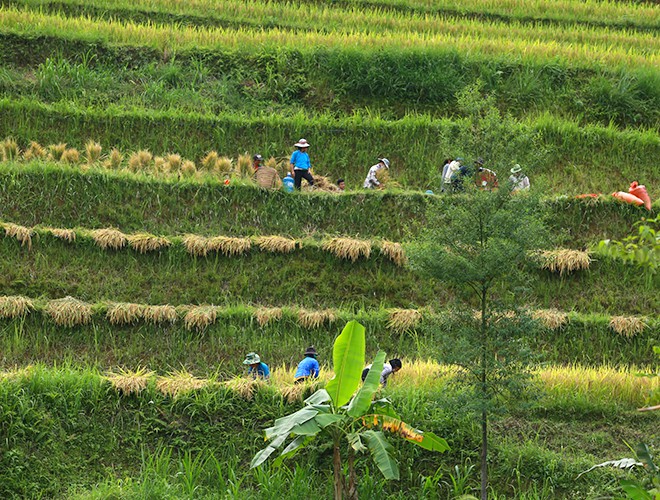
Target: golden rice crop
<point>159,314</point>
<point>628,326</point>
<point>92,151</point>
<point>245,387</point>
<point>70,156</point>
<point>296,392</point>
<point>21,233</point>
<point>188,169</point>
<point>276,244</point>
<point>145,242</point>
<point>174,161</point>
<point>56,151</point>
<point>200,317</point>
<point>229,245</point>
<point>68,311</point>
<point>35,151</point>
<point>348,248</point>
<point>160,165</point>
<point>223,165</point>
<point>550,318</point>
<point>564,260</point>
<point>109,238</point>
<point>179,382</point>
<point>196,245</point>
<point>68,235</point>
<point>10,149</point>
<point>394,252</point>
<point>324,184</point>
<point>272,163</point>
<point>115,159</point>
<point>124,313</point>
<point>209,161</point>
<point>140,160</point>
<point>265,315</point>
<point>244,166</point>
<point>315,319</point>
<point>129,382</point>
<point>15,306</point>
<point>402,320</point>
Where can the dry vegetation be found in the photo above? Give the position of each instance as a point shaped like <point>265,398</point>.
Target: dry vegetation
<point>145,242</point>
<point>15,306</point>
<point>109,238</point>
<point>92,152</point>
<point>394,252</point>
<point>200,317</point>
<point>315,319</point>
<point>276,244</point>
<point>10,149</point>
<point>68,312</point>
<point>265,315</point>
<point>159,314</point>
<point>564,260</point>
<point>124,313</point>
<point>403,320</point>
<point>245,387</point>
<point>348,248</point>
<point>21,233</point>
<point>180,382</point>
<point>628,326</point>
<point>129,382</point>
<point>35,151</point>
<point>229,246</point>
<point>551,318</point>
<point>68,235</point>
<point>196,245</point>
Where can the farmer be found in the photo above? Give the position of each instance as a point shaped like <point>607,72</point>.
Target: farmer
<point>519,181</point>
<point>300,164</point>
<point>393,366</point>
<point>445,166</point>
<point>451,174</point>
<point>341,184</point>
<point>257,160</point>
<point>486,179</point>
<point>308,368</point>
<point>256,369</point>
<point>267,177</point>
<point>372,181</point>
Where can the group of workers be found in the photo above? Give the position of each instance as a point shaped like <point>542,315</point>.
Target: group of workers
<point>455,172</point>
<point>309,368</point>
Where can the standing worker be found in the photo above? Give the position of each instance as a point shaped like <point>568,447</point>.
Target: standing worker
<point>308,368</point>
<point>256,369</point>
<point>300,164</point>
<point>372,181</point>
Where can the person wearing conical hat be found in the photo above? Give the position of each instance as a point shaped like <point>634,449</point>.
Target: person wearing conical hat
<point>256,368</point>
<point>519,181</point>
<point>308,368</point>
<point>300,164</point>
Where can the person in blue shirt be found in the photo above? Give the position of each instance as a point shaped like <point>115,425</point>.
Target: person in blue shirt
<point>308,368</point>
<point>256,369</point>
<point>300,164</point>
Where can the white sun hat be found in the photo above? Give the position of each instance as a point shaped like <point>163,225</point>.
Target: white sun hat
<point>302,143</point>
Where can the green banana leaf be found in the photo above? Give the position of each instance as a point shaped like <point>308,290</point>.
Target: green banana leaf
<point>348,360</point>
<point>362,400</point>
<point>380,451</point>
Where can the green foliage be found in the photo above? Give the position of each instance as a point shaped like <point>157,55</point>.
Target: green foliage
<point>347,360</point>
<point>641,249</point>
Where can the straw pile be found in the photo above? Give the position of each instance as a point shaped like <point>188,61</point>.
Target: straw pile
<point>55,151</point>
<point>179,382</point>
<point>115,159</point>
<point>403,320</point>
<point>229,246</point>
<point>210,161</point>
<point>196,245</point>
<point>173,162</point>
<point>564,260</point>
<point>200,317</point>
<point>21,233</point>
<point>265,315</point>
<point>124,313</point>
<point>68,235</point>
<point>145,242</point>
<point>129,382</point>
<point>92,151</point>
<point>315,319</point>
<point>348,248</point>
<point>70,156</point>
<point>188,168</point>
<point>276,244</point>
<point>223,165</point>
<point>552,319</point>
<point>68,312</point>
<point>35,151</point>
<point>159,314</point>
<point>109,238</point>
<point>628,326</point>
<point>394,252</point>
<point>324,184</point>
<point>15,306</point>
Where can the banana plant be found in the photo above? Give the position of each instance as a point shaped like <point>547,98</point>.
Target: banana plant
<point>347,414</point>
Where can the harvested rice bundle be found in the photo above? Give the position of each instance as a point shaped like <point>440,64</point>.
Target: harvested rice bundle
<point>70,156</point>
<point>229,246</point>
<point>145,242</point>
<point>209,161</point>
<point>265,315</point>
<point>10,149</point>
<point>383,176</point>
<point>200,317</point>
<point>322,183</point>
<point>293,393</point>
<point>179,382</point>
<point>245,387</point>
<point>551,318</point>
<point>68,235</point>
<point>188,169</point>
<point>276,244</point>
<point>92,152</point>
<point>315,319</point>
<point>109,238</point>
<point>55,151</point>
<point>140,160</point>
<point>174,162</point>
<point>68,312</point>
<point>628,326</point>
<point>244,166</point>
<point>160,165</point>
<point>115,159</point>
<point>348,248</point>
<point>223,165</point>
<point>564,260</point>
<point>15,306</point>
<point>129,382</point>
<point>394,252</point>
<point>403,320</point>
<point>196,245</point>
<point>159,314</point>
<point>124,313</point>
<point>35,151</point>
<point>21,233</point>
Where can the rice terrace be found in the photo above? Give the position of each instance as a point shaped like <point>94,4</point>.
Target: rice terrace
<point>330,249</point>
